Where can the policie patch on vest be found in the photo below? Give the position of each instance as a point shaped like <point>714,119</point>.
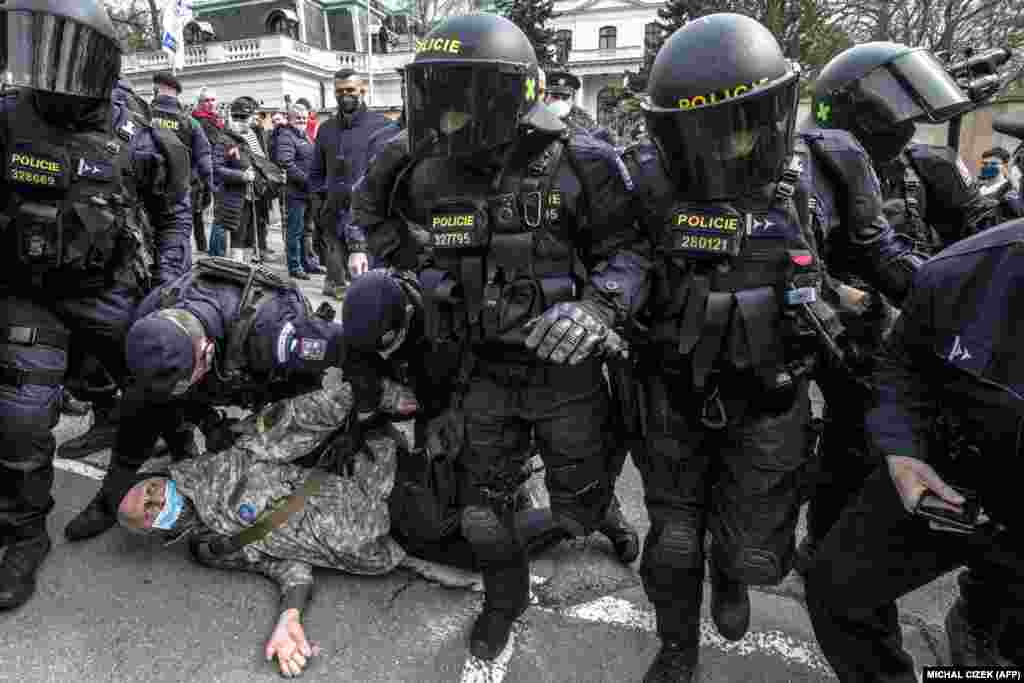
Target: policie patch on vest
<point>707,231</point>
<point>455,230</point>
<point>31,167</point>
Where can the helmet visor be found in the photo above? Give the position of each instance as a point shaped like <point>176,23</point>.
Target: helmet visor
<point>912,87</point>
<point>468,107</point>
<point>725,151</point>
<point>55,54</point>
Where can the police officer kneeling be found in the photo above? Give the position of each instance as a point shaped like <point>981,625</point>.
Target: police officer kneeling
<point>223,334</point>
<point>72,264</point>
<point>955,354</point>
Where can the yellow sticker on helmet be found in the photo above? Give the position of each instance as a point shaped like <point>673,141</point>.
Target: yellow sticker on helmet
<point>719,95</point>
<point>449,45</point>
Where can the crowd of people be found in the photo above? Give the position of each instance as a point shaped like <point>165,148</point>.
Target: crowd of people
<point>515,286</point>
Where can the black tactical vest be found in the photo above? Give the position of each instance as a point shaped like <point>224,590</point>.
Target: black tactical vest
<point>233,380</point>
<point>729,279</point>
<point>906,204</point>
<point>176,122</point>
<point>69,205</point>
<point>498,248</point>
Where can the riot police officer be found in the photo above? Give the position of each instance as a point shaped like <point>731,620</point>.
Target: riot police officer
<point>166,114</point>
<point>73,265</point>
<point>953,356</point>
<point>878,91</point>
<point>223,334</point>
<point>735,319</point>
<point>505,217</point>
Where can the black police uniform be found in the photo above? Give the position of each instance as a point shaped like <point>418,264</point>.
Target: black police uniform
<point>736,317</point>
<point>73,263</point>
<point>167,113</point>
<point>955,356</point>
<point>506,227</point>
<point>841,106</point>
<point>269,345</point>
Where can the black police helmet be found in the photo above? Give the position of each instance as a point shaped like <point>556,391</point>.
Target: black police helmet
<point>473,79</point>
<point>721,106</point>
<point>90,70</point>
<point>877,91</point>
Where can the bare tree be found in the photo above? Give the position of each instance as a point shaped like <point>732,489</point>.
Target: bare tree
<point>137,23</point>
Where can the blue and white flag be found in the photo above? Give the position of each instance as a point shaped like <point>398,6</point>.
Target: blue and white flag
<point>176,14</point>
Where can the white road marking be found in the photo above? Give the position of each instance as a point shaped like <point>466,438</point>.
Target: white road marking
<point>612,610</point>
<point>78,467</point>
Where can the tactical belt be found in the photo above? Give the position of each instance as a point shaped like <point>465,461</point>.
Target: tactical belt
<point>30,336</point>
<point>268,522</point>
<point>15,377</point>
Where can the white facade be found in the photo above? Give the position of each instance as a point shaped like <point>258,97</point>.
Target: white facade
<point>269,67</point>
<point>266,69</point>
<point>596,63</point>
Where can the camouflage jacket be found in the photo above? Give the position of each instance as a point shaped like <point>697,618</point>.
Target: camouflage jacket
<point>344,526</point>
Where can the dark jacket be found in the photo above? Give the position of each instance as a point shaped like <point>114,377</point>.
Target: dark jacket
<point>194,138</point>
<point>340,159</point>
<point>233,156</point>
<point>213,135</point>
<point>955,355</point>
<point>295,156</point>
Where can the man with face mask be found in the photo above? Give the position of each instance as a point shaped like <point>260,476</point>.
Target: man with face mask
<point>78,168</point>
<point>223,334</point>
<point>995,182</point>
<point>339,160</point>
<point>234,230</point>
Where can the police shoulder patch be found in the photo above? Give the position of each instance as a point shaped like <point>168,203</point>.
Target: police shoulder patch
<point>312,349</point>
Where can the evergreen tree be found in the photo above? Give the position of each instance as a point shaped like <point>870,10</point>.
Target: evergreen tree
<point>532,17</point>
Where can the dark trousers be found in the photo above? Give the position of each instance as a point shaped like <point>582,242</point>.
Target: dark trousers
<point>335,255</point>
<point>845,460</point>
<point>740,482</point>
<point>878,552</point>
<point>29,412</point>
<point>506,407</point>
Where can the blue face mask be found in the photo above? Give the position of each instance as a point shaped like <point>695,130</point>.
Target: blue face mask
<point>174,503</point>
<point>988,171</point>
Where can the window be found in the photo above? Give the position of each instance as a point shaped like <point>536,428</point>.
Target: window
<point>606,102</point>
<point>563,45</point>
<point>652,35</point>
<point>606,38</point>
<point>283,22</point>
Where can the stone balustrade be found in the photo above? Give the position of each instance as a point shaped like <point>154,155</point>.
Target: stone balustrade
<point>264,48</point>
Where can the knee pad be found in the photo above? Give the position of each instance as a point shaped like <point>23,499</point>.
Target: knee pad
<point>676,545</point>
<point>753,566</point>
<point>482,527</point>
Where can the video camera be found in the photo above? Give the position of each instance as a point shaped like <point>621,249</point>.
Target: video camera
<point>977,73</point>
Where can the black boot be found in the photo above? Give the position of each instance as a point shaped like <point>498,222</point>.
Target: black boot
<point>96,518</point>
<point>101,435</point>
<point>675,663</point>
<point>974,635</point>
<point>491,631</point>
<point>730,605</point>
<point>26,552</point>
<point>621,533</point>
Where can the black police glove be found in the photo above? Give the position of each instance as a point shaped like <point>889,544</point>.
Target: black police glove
<point>445,435</point>
<point>571,332</point>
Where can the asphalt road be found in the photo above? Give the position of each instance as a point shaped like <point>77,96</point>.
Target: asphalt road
<point>122,608</point>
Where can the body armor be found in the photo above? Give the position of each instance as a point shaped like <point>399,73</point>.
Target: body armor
<point>499,251</point>
<point>69,211</point>
<point>176,122</point>
<point>233,381</point>
<point>730,278</point>
<point>906,204</point>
